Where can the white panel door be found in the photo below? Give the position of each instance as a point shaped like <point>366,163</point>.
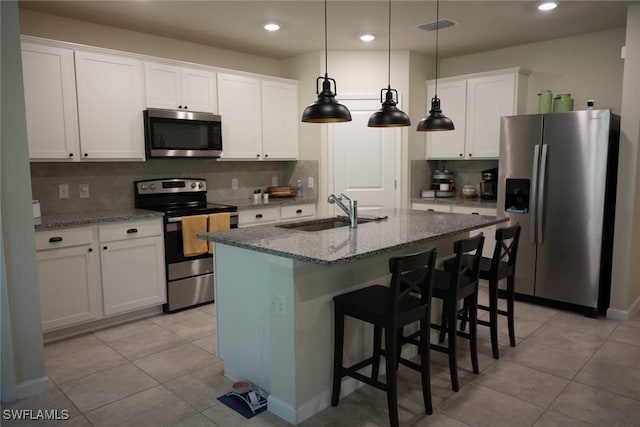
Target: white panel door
<point>280,121</point>
<point>453,102</point>
<point>364,160</point>
<point>110,103</point>
<point>50,98</point>
<point>199,90</point>
<point>163,86</point>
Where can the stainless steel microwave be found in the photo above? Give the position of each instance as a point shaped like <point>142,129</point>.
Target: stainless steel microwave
<point>175,133</point>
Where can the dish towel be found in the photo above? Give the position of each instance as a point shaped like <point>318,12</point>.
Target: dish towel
<point>191,225</point>
<point>218,222</point>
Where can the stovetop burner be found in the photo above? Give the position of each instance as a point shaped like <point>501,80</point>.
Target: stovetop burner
<point>176,197</point>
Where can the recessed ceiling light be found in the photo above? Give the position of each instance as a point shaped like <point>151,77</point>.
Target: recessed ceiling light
<point>546,6</point>
<point>367,37</point>
<point>271,26</point>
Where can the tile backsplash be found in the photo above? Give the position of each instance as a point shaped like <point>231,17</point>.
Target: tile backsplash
<point>111,183</point>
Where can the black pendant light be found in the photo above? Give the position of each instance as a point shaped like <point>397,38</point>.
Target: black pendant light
<point>326,109</point>
<point>389,115</point>
<point>436,121</point>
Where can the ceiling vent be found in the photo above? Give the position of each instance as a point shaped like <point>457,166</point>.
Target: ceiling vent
<point>442,23</point>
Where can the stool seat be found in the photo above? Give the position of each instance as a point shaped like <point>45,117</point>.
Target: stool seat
<point>406,300</point>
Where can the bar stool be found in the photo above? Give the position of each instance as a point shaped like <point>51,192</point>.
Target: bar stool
<point>459,283</point>
<point>389,308</point>
<point>501,266</point>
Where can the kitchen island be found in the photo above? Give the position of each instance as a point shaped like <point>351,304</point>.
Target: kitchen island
<point>274,287</point>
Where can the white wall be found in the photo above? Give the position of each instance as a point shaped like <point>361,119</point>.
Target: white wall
<point>625,293</point>
<point>17,228</point>
<point>58,28</point>
<point>587,66</point>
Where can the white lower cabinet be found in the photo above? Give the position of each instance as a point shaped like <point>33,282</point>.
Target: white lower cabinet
<point>87,273</point>
<point>132,259</point>
<point>69,285</point>
<point>262,216</point>
<point>489,232</point>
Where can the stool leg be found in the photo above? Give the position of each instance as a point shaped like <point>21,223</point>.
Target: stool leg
<point>443,322</point>
<point>465,315</point>
<point>451,331</point>
<point>425,365</point>
<point>377,347</point>
<point>338,344</point>
<point>510,306</point>
<point>473,331</point>
<point>391,364</point>
<point>493,317</point>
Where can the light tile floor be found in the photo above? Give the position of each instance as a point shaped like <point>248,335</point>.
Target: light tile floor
<point>566,369</point>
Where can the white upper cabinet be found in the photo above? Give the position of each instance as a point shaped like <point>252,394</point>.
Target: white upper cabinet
<point>259,118</point>
<point>180,88</point>
<point>279,120</point>
<point>110,104</point>
<point>453,101</point>
<point>50,99</point>
<point>239,106</point>
<point>476,114</point>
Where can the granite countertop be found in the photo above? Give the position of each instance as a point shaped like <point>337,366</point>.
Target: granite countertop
<point>273,202</point>
<point>400,228</point>
<point>49,222</point>
<point>478,202</point>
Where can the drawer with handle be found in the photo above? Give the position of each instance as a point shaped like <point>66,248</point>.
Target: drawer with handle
<point>63,238</point>
<point>258,216</point>
<point>129,230</point>
<point>297,211</point>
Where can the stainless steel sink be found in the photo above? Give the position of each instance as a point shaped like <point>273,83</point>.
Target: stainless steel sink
<point>323,224</point>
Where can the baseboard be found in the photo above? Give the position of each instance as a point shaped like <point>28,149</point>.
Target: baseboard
<point>627,314</point>
<point>31,387</point>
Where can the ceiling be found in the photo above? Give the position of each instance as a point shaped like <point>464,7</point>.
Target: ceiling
<point>237,25</point>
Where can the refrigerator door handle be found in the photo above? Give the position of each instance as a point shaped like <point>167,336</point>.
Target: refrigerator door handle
<point>534,194</point>
<point>540,203</point>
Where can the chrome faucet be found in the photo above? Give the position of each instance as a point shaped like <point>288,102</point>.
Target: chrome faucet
<point>352,210</point>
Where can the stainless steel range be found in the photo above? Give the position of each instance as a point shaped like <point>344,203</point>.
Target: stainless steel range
<point>189,278</point>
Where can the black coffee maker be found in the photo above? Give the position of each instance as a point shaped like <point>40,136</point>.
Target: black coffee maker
<point>489,184</point>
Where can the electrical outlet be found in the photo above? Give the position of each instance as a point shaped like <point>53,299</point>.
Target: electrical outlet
<point>234,183</point>
<point>278,306</point>
<point>63,191</point>
<point>274,181</point>
<point>83,189</point>
<point>310,182</point>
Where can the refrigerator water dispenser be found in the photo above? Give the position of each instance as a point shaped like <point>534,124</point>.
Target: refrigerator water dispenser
<point>517,196</point>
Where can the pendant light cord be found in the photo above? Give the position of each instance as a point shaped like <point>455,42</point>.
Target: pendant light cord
<point>389,71</point>
<point>326,53</point>
<point>437,27</point>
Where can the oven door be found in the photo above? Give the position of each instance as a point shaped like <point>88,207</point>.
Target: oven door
<point>179,265</point>
<point>171,133</point>
<point>189,278</point>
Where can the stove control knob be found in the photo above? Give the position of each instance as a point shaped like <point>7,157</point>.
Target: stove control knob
<point>193,185</point>
<point>152,186</point>
<point>143,186</point>
<point>200,185</point>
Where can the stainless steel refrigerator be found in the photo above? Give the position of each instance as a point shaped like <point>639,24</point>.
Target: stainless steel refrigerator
<point>557,178</point>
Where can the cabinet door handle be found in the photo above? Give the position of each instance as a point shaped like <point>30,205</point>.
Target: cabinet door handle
<point>461,155</point>
<point>470,154</point>
<point>258,155</point>
<point>266,155</point>
<point>90,250</point>
<point>475,213</point>
<point>70,154</point>
<point>55,239</point>
<point>132,230</point>
<point>86,154</point>
<point>299,211</point>
<point>186,108</point>
<point>179,107</point>
<point>430,210</point>
<point>105,248</point>
<point>259,216</point>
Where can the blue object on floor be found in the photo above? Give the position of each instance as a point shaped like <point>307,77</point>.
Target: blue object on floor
<point>238,404</point>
